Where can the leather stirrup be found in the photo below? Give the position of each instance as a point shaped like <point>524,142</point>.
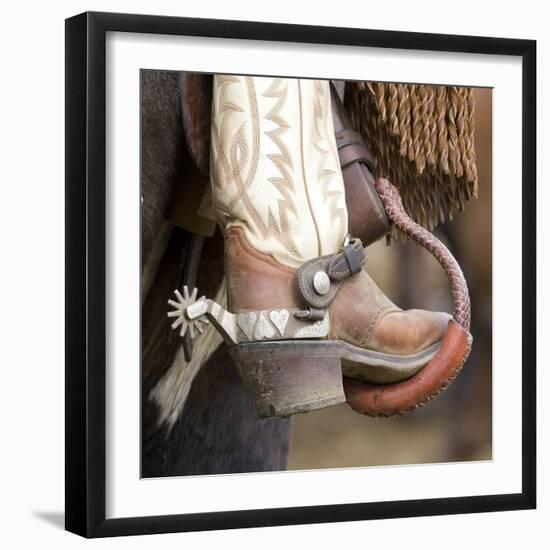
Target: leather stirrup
<point>398,398</point>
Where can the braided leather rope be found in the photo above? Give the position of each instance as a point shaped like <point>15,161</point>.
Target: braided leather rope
<point>395,211</point>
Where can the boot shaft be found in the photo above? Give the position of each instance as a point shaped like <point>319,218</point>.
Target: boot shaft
<point>274,166</point>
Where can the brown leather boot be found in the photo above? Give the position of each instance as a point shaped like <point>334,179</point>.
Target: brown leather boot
<point>377,341</point>
<point>302,308</point>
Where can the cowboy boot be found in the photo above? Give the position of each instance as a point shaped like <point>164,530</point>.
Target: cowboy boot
<point>302,308</point>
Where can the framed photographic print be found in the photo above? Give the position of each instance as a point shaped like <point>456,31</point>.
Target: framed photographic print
<point>283,244</point>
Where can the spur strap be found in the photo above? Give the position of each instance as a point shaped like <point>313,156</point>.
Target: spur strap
<point>320,279</point>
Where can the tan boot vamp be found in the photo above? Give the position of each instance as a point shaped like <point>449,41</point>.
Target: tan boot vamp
<point>362,315</point>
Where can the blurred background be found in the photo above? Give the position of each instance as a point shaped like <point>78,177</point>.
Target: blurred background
<point>457,425</point>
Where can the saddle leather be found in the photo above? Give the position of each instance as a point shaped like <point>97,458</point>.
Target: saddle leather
<point>366,216</point>
<point>351,147</point>
<point>196,105</point>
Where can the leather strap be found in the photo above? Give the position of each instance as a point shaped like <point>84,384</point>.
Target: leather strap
<point>338,267</point>
<point>190,267</point>
<point>366,216</point>
<point>352,148</point>
<point>348,262</point>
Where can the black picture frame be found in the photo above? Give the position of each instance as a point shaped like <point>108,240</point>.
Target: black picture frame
<point>86,262</point>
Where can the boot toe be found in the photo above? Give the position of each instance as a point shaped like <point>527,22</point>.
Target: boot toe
<point>409,332</point>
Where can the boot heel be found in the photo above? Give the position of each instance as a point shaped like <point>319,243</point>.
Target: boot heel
<point>286,377</point>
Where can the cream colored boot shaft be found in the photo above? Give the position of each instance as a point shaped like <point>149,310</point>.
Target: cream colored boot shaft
<point>274,166</point>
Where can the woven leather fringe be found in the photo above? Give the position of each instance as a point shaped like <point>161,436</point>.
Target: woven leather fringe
<point>422,139</point>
